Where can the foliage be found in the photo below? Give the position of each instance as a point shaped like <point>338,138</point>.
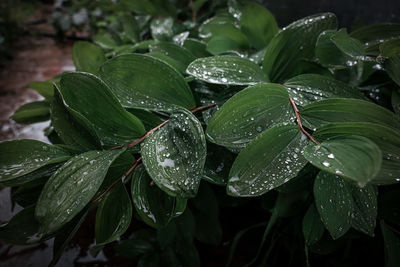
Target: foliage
<point>177,105</point>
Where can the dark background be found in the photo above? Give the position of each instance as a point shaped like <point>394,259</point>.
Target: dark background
<point>366,11</point>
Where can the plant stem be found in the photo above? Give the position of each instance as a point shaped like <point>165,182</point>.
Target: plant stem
<point>119,180</point>
<point>193,12</point>
<point>299,121</point>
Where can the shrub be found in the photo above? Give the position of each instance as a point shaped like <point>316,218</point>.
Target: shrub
<point>299,125</point>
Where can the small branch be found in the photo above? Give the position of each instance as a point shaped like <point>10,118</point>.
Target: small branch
<point>299,121</point>
<point>193,110</point>
<point>193,12</point>
<point>117,181</point>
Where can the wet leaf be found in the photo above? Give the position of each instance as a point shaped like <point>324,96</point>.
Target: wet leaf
<point>387,139</point>
<point>179,66</point>
<point>91,102</point>
<point>32,112</point>
<point>327,53</point>
<point>353,157</point>
<point>293,43</point>
<point>140,81</point>
<point>19,158</point>
<point>347,110</point>
<point>230,31</point>
<point>153,205</point>
<point>114,215</point>
<point>231,70</point>
<point>249,113</point>
<point>131,28</point>
<point>390,48</point>
<point>392,66</point>
<point>68,191</point>
<point>174,51</point>
<point>196,47</point>
<point>270,160</point>
<point>342,205</point>
<point>258,24</point>
<point>162,29</point>
<point>313,228</point>
<point>308,88</point>
<point>174,156</point>
<point>348,45</point>
<point>373,35</point>
<point>87,57</point>
<point>221,44</point>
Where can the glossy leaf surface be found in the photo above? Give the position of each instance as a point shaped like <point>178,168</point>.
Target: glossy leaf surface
<point>174,156</point>
<point>68,191</point>
<point>270,160</point>
<point>248,113</point>
<point>231,70</point>
<point>32,112</point>
<point>87,57</point>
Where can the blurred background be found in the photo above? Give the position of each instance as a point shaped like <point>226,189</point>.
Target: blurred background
<point>36,38</point>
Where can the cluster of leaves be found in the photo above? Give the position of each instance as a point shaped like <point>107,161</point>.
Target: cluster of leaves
<point>301,122</point>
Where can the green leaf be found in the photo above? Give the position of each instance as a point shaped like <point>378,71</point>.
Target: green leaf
<point>87,57</point>
<point>390,48</point>
<point>396,102</point>
<point>327,53</point>
<point>92,103</point>
<point>334,203</point>
<point>28,193</point>
<point>162,29</point>
<point>392,66</point>
<point>230,70</point>
<point>249,113</point>
<point>153,205</point>
<point>347,110</point>
<point>229,30</point>
<point>63,238</point>
<point>295,42</point>
<point>387,139</point>
<point>140,81</point>
<point>174,156</point>
<point>67,128</point>
<point>179,66</point>
<point>270,160</point>
<point>258,24</point>
<point>22,229</point>
<point>131,28</point>
<point>46,88</point>
<point>68,191</point>
<point>196,47</point>
<point>373,35</point>
<point>221,44</point>
<point>32,112</point>
<point>342,205</point>
<point>307,88</point>
<point>19,158</point>
<point>353,157</point>
<point>350,46</point>
<point>174,51</point>
<point>392,246</point>
<point>114,215</point>
<point>313,228</point>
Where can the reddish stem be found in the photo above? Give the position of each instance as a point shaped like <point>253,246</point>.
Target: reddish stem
<point>296,111</point>
<point>193,110</point>
<point>117,181</point>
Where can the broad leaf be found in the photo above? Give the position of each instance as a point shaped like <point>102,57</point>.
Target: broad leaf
<point>249,113</point>
<point>327,53</point>
<point>93,104</point>
<point>347,110</point>
<point>230,31</point>
<point>342,205</point>
<point>131,28</point>
<point>174,156</point>
<point>350,46</point>
<point>179,66</point>
<point>141,81</point>
<point>67,128</point>
<point>153,205</point>
<point>308,88</point>
<point>32,112</point>
<point>231,70</point>
<point>68,191</point>
<point>352,157</point>
<point>390,48</point>
<point>373,35</point>
<point>387,139</point>
<point>293,43</point>
<point>221,44</point>
<point>392,66</point>
<point>46,88</point>
<point>174,51</point>
<point>270,160</point>
<point>114,215</point>
<point>258,24</point>
<point>87,57</point>
<point>313,228</point>
<point>19,158</point>
<point>196,47</point>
